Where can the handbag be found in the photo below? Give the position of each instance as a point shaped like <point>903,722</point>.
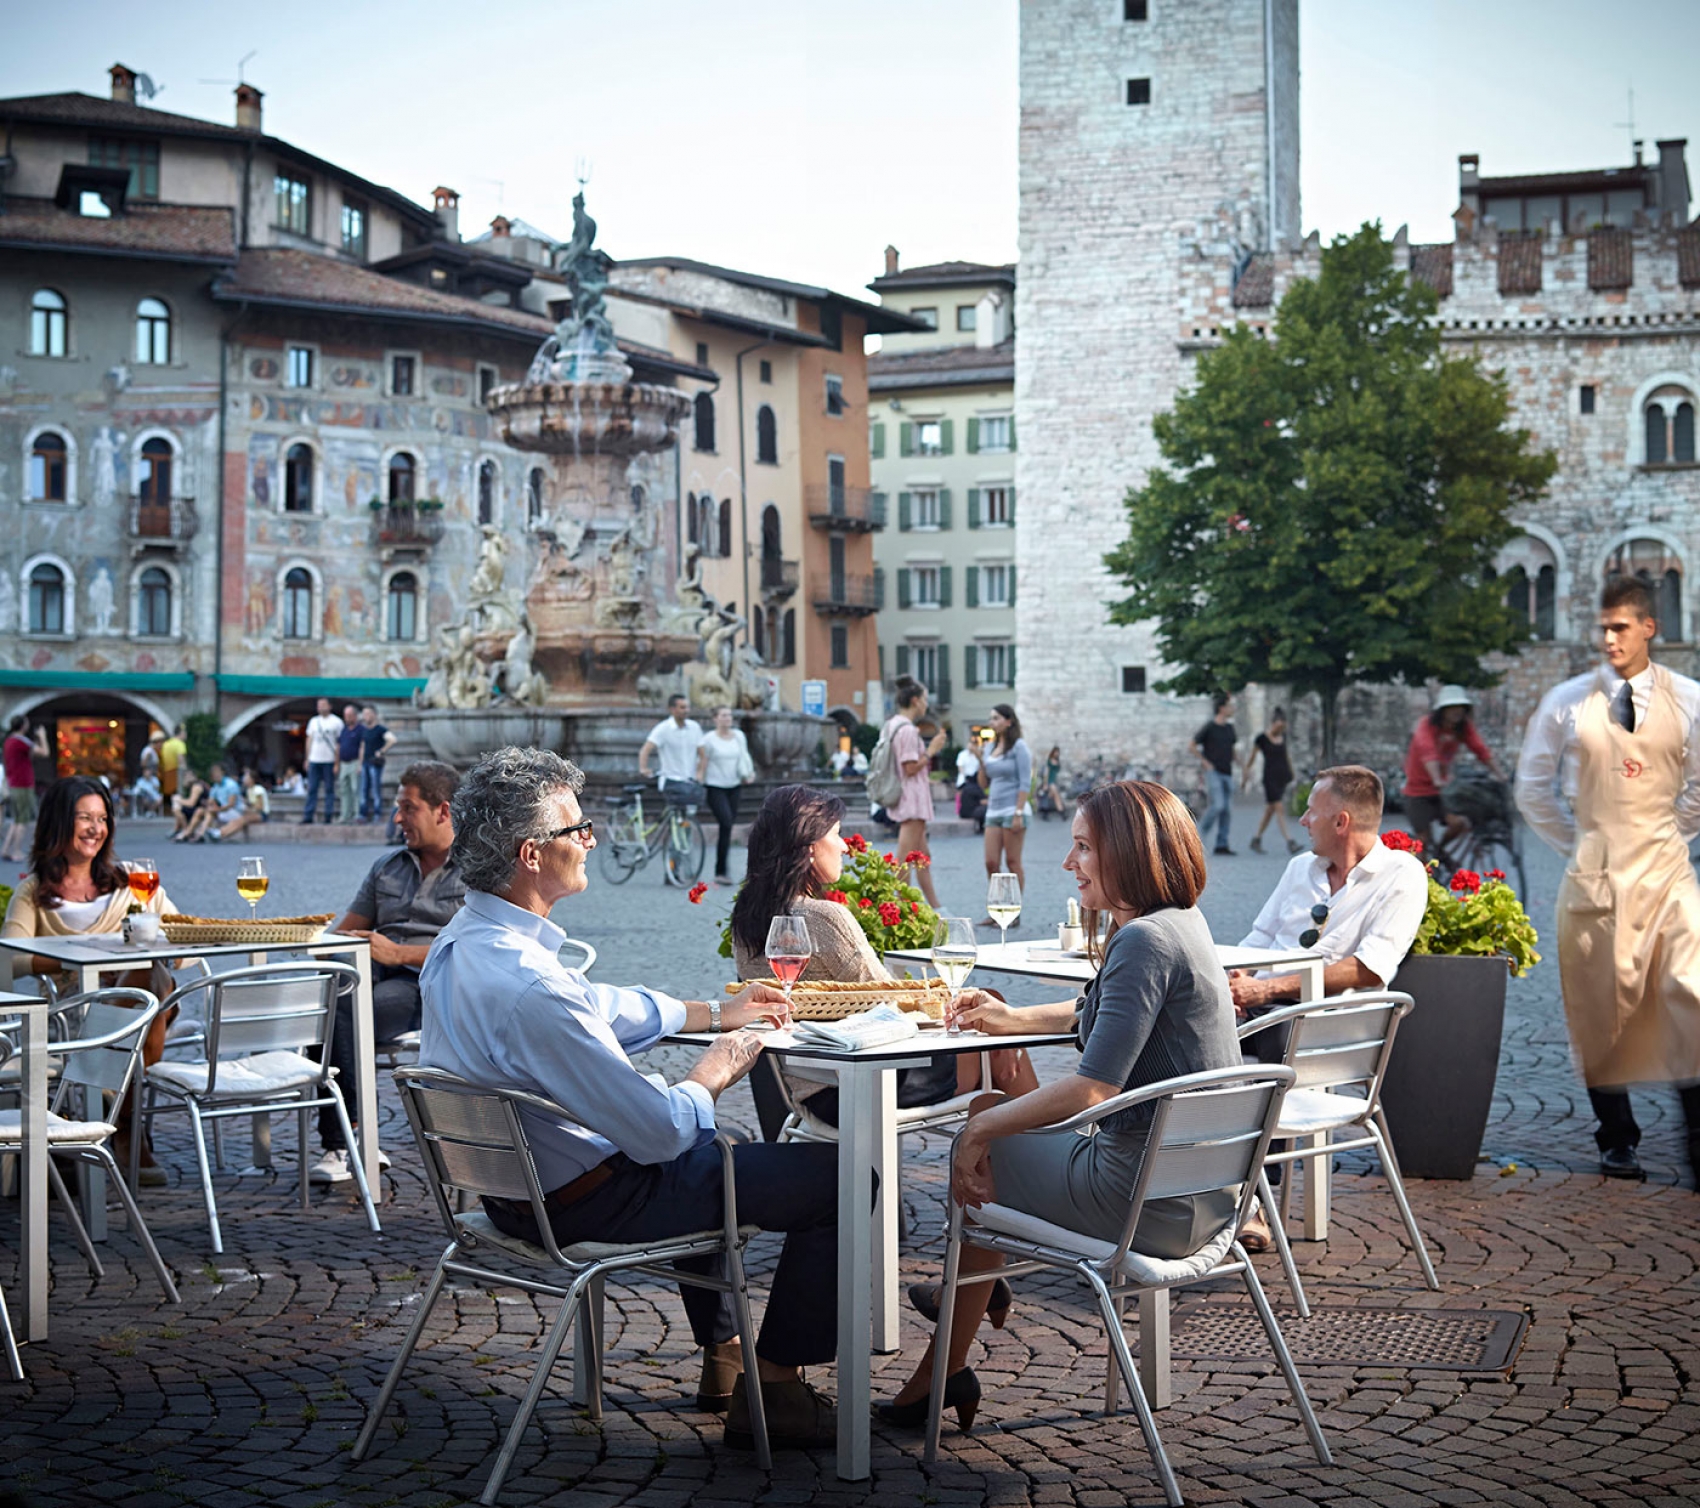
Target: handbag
<point>746,765</point>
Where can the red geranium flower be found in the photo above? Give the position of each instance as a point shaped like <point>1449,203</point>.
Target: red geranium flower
<point>915,856</point>
<point>891,859</point>
<point>1401,840</point>
<point>864,903</point>
<point>856,843</point>
<point>1466,881</point>
<point>914,908</point>
<point>1496,874</point>
<point>889,914</point>
<point>697,892</point>
<point>839,896</point>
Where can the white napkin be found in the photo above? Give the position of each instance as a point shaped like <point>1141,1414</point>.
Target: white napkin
<point>879,1027</point>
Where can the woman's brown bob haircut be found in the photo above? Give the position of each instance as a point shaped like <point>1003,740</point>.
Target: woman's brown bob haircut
<point>1149,853</point>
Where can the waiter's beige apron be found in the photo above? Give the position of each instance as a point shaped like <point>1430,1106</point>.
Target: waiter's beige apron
<point>1629,906</point>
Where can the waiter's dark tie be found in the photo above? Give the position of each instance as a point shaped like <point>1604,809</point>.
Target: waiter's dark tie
<point>1625,708</point>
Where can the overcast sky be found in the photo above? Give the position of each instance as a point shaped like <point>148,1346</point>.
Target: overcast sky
<point>796,137</point>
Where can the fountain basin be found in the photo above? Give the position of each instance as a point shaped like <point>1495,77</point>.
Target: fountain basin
<point>588,418</point>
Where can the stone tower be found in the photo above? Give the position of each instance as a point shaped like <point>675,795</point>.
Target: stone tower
<point>1154,134</point>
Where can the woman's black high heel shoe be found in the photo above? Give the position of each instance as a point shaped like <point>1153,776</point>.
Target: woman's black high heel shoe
<point>925,1299</point>
<point>961,1392</point>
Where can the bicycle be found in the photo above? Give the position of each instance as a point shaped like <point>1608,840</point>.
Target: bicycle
<point>1494,838</point>
<point>630,842</point>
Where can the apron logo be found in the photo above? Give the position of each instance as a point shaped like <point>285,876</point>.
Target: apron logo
<point>1632,768</point>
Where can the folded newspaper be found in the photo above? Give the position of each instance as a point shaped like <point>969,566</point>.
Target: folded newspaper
<point>879,1027</point>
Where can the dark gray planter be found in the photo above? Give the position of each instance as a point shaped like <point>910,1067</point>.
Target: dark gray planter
<point>1439,1085</point>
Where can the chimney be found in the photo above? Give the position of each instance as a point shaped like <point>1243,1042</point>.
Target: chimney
<point>123,84</point>
<point>248,108</point>
<point>446,202</point>
<point>1639,148</point>
<point>501,227</point>
<point>891,261</point>
<point>1671,176</point>
<point>1469,179</point>
<point>991,320</point>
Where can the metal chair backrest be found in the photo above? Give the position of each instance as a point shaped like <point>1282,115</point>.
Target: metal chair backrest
<point>574,945</point>
<point>108,1044</point>
<point>1342,1041</point>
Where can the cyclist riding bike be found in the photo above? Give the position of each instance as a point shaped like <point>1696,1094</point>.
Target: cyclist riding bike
<point>1434,746</point>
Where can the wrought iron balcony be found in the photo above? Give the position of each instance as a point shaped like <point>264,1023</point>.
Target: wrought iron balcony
<point>848,596</point>
<point>853,510</point>
<point>408,526</point>
<point>778,578</point>
<point>168,524</point>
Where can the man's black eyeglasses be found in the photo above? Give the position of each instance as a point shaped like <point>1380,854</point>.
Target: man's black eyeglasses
<point>584,827</point>
<point>1319,915</point>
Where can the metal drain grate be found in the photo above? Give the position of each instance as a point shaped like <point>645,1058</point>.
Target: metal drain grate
<point>1456,1340</point>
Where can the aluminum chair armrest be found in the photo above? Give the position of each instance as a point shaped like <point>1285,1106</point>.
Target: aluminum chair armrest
<point>1285,1013</point>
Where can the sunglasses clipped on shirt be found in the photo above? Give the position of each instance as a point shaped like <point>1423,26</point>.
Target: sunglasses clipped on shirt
<point>1318,914</point>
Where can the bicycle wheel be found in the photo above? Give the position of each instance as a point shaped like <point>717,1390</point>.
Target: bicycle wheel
<point>685,850</point>
<point>623,854</point>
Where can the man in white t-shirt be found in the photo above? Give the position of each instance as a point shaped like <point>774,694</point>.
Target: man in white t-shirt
<point>676,739</point>
<point>323,731</point>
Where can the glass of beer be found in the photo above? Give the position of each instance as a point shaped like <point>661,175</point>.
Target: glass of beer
<point>143,879</point>
<point>251,883</point>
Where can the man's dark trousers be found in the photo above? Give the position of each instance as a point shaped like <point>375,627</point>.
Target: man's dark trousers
<point>395,1009</point>
<point>321,776</point>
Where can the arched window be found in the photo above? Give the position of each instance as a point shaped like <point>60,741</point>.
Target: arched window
<point>47,468</point>
<point>1659,566</point>
<point>693,524</point>
<point>770,533</point>
<point>1546,602</point>
<point>758,627</point>
<point>788,650</point>
<point>47,600</point>
<point>47,323</point>
<point>1516,582</point>
<point>486,496</point>
<point>153,604</point>
<point>726,526</point>
<point>1682,433</point>
<point>1529,580</point>
<point>706,521</point>
<point>705,422</point>
<point>402,614</point>
<point>1656,452</point>
<point>1668,420</point>
<point>155,488</point>
<point>767,436</point>
<point>534,495</point>
<point>403,469</point>
<point>298,604</point>
<point>298,479</point>
<point>153,333</point>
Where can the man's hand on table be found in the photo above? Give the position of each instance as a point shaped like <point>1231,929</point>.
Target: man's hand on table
<point>383,950</point>
<point>757,1002</point>
<point>726,1060</point>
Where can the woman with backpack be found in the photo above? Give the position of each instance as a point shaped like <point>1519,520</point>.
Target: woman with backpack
<point>898,777</point>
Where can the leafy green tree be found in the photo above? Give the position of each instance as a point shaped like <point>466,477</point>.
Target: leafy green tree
<point>1332,499</point>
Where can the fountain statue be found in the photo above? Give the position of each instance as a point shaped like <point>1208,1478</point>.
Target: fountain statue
<point>579,656</point>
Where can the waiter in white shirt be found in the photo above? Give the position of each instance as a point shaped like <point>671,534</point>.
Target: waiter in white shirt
<point>676,739</point>
<point>1610,776</point>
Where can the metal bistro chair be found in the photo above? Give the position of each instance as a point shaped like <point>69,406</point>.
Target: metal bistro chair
<point>103,1058</point>
<point>259,1021</point>
<point>473,1143</point>
<point>1209,1131</point>
<point>9,1341</point>
<point>1336,1044</point>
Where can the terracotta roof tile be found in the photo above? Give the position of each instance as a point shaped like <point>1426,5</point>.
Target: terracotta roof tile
<point>179,231</point>
<point>1688,257</point>
<point>74,109</point>
<point>942,365</point>
<point>1611,259</point>
<point>1255,286</point>
<point>1433,265</point>
<point>1519,261</point>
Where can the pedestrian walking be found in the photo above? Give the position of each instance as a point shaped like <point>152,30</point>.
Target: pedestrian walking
<point>324,732</point>
<point>1271,744</point>
<point>1607,777</point>
<point>899,778</point>
<point>349,742</point>
<point>375,742</point>
<point>723,766</point>
<point>18,756</point>
<point>1006,773</point>
<point>1213,746</point>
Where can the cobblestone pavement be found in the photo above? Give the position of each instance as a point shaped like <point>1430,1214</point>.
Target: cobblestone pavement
<point>254,1388</point>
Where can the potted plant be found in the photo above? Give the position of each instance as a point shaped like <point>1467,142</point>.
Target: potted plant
<point>1438,1091</point>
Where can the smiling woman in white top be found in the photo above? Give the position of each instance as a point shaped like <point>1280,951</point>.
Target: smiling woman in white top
<point>723,765</point>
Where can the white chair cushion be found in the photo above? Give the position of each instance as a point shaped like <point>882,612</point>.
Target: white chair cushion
<point>58,1128</point>
<point>478,1227</point>
<point>1304,1112</point>
<point>1152,1271</point>
<point>912,1115</point>
<point>264,1073</point>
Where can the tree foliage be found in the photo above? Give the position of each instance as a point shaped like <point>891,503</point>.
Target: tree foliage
<point>1332,499</point>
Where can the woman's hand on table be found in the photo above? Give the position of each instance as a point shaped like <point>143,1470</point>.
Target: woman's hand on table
<point>757,1002</point>
<point>971,1170</point>
<point>983,1011</point>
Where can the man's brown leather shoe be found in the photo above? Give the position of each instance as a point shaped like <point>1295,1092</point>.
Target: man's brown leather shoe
<point>722,1366</point>
<point>798,1418</point>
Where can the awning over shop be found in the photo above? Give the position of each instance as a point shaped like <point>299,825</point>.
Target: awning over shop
<point>355,689</point>
<point>89,680</point>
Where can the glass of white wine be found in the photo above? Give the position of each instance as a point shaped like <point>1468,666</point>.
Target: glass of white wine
<point>1003,902</point>
<point>954,954</point>
<point>251,883</point>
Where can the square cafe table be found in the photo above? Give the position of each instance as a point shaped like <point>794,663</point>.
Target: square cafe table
<point>93,954</point>
<point>867,1250</point>
<point>30,1012</point>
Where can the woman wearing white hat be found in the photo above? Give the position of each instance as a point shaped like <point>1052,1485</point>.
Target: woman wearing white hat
<point>1428,764</point>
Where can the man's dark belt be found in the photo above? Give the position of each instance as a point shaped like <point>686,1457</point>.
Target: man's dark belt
<point>569,1194</point>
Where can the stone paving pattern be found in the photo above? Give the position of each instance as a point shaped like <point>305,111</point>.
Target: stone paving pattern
<point>253,1390</point>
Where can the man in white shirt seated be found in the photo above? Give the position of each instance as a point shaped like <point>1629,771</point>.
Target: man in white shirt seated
<point>501,1011</point>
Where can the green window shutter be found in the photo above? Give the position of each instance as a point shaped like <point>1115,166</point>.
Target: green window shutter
<point>876,442</point>
<point>943,653</point>
<point>903,507</point>
<point>944,507</point>
<point>945,428</point>
<point>903,659</point>
<point>944,586</point>
<point>1010,495</point>
<point>971,665</point>
<point>1009,585</point>
<point>1009,660</point>
<point>906,439</point>
<point>973,437</point>
<point>971,581</point>
<point>1012,431</point>
<point>903,587</point>
<point>879,588</point>
<point>973,507</point>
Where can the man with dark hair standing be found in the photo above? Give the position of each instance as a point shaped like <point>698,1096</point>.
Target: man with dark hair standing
<point>1610,776</point>
<point>1213,744</point>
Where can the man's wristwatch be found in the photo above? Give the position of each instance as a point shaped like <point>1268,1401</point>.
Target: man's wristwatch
<point>714,1016</point>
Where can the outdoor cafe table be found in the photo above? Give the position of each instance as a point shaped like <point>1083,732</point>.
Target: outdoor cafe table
<point>95,953</point>
<point>30,1011</point>
<point>867,1250</point>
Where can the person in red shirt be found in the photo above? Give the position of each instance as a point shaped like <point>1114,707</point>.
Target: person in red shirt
<point>20,751</point>
<point>1435,742</point>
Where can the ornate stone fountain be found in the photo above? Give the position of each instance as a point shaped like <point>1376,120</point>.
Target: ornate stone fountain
<point>607,624</point>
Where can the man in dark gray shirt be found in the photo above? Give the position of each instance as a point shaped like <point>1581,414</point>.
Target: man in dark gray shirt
<point>406,899</point>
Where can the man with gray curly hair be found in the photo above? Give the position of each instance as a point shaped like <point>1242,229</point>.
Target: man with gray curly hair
<point>503,1012</point>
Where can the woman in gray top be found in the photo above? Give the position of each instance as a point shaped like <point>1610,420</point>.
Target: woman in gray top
<point>1006,773</point>
<point>1158,1008</point>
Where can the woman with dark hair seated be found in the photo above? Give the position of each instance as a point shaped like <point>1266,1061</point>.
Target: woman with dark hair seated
<point>796,855</point>
<point>75,885</point>
<point>1158,1008</point>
